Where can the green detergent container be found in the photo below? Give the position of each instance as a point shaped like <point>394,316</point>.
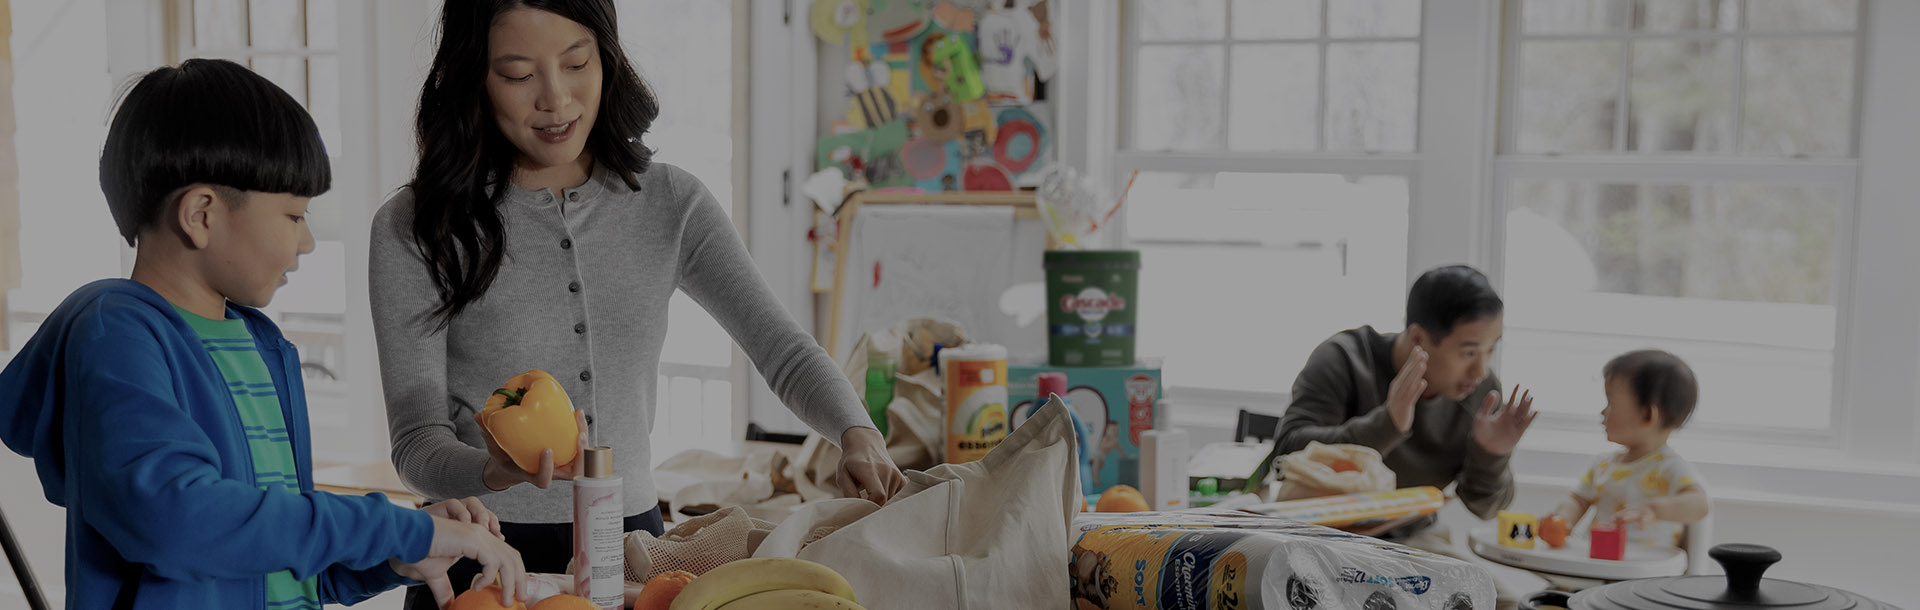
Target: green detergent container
<point>1091,306</point>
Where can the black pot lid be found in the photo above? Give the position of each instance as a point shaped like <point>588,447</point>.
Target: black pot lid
<point>1743,588</point>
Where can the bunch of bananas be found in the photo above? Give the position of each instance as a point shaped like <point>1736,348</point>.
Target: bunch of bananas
<point>768,583</point>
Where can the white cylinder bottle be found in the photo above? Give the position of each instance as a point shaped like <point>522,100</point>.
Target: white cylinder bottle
<point>599,551</point>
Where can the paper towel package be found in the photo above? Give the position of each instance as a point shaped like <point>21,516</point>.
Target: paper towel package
<point>1224,560</point>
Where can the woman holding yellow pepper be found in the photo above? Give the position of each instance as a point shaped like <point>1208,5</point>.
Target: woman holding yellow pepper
<point>537,234</point>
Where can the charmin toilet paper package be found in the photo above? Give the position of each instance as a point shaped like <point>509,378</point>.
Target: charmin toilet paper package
<point>1219,560</point>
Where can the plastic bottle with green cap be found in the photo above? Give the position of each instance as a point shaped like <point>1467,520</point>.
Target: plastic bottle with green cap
<point>880,372</point>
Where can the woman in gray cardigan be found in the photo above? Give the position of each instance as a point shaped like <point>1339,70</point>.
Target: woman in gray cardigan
<point>538,234</point>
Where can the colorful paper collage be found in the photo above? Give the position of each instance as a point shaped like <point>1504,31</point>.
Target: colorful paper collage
<point>872,154</point>
<point>904,126</point>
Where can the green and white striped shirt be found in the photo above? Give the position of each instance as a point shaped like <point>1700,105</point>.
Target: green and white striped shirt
<point>258,401</point>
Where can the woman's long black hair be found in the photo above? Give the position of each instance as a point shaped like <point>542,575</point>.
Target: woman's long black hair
<point>465,162</point>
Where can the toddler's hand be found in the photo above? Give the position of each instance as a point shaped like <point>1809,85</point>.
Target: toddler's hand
<point>1638,514</point>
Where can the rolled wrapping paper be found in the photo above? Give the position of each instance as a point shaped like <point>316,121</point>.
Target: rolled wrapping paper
<point>1347,510</point>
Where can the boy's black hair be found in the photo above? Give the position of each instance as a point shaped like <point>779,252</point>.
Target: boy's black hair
<point>1448,296</point>
<point>206,121</point>
<point>1659,380</point>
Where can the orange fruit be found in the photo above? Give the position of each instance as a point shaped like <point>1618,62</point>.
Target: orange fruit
<point>1122,499</point>
<point>1554,531</point>
<point>660,590</point>
<point>483,599</point>
<point>565,602</point>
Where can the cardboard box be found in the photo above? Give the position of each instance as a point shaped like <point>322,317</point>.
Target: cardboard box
<point>1125,396</point>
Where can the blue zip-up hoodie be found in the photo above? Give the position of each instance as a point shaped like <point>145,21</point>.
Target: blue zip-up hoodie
<point>132,429</point>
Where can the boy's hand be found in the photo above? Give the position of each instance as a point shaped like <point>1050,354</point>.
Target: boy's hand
<point>501,473</point>
<point>433,570</point>
<point>466,510</point>
<point>453,540</point>
<point>1406,389</point>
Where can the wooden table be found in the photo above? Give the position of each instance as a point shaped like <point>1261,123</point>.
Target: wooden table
<point>362,479</point>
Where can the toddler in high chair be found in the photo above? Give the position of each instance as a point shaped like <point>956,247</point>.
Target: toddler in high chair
<point>1647,489</point>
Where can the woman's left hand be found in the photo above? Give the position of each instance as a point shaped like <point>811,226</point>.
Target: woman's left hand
<point>866,471</point>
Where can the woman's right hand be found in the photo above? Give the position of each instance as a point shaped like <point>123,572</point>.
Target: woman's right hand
<point>499,564</point>
<point>501,473</point>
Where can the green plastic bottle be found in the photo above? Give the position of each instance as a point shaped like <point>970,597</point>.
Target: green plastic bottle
<point>880,371</point>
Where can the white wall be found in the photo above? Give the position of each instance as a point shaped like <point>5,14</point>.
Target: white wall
<point>62,91</point>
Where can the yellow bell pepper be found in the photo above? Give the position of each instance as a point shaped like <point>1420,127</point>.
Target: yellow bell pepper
<point>531,414</point>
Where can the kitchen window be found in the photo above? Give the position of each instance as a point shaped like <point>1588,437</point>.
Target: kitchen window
<point>1682,174</point>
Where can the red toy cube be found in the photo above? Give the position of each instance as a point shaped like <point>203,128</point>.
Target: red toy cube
<point>1609,542</point>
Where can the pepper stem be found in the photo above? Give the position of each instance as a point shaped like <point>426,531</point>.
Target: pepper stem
<point>513,396</point>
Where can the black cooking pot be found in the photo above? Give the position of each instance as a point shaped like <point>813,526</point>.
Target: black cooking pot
<point>1743,588</point>
<point>1547,600</point>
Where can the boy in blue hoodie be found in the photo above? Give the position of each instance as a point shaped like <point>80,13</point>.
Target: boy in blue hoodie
<point>166,413</point>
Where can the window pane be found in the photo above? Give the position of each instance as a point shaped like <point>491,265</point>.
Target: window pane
<point>323,101</point>
<point>1546,350</point>
<point>1266,19</point>
<point>1572,16</point>
<point>1803,15</point>
<point>1372,18</point>
<point>1181,19</point>
<point>1737,279</point>
<point>323,19</point>
<point>1568,92</point>
<point>219,24</point>
<point>1177,91</point>
<point>290,73</point>
<point>1763,244</point>
<point>1682,97</point>
<point>1332,249</point>
<point>1372,96</point>
<point>1276,97</point>
<point>1799,97</point>
<point>1686,15</point>
<point>277,24</point>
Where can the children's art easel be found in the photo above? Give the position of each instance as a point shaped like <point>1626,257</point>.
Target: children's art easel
<point>953,256</point>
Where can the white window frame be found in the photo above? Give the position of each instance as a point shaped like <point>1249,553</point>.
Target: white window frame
<point>1216,408</point>
<point>1323,42</point>
<point>182,35</point>
<point>1689,168</point>
<point>1871,460</point>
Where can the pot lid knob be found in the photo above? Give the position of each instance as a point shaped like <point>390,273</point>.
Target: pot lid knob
<point>1746,565</point>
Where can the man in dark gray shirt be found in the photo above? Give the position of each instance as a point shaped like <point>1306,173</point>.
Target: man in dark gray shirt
<point>1424,398</point>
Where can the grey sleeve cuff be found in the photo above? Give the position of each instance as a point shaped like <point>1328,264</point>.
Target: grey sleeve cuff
<point>445,472</point>
<point>1376,430</point>
<point>831,410</point>
<point>1486,481</point>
